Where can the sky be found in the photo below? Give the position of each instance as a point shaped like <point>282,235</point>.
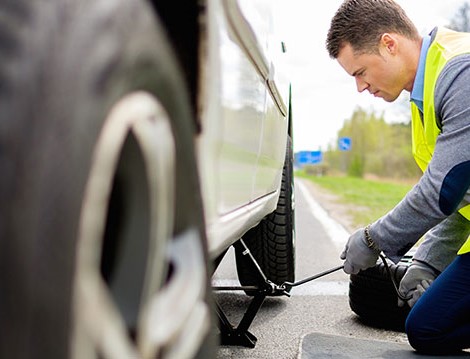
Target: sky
<point>324,95</point>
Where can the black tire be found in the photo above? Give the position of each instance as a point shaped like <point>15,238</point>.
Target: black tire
<point>65,68</point>
<point>272,241</point>
<point>373,298</point>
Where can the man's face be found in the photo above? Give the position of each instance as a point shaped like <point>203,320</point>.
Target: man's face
<point>379,74</point>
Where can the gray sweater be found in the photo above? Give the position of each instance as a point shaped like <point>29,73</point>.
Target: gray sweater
<point>430,208</point>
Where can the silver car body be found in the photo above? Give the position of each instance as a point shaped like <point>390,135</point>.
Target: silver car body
<point>243,109</point>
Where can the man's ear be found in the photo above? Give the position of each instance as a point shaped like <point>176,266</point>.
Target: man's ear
<point>389,42</point>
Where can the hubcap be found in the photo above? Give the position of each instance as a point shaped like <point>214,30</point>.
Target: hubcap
<point>132,296</point>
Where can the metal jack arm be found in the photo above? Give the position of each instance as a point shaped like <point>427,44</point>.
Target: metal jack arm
<point>240,335</point>
<point>231,335</point>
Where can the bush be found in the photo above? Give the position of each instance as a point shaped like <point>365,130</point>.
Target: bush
<point>356,167</point>
<point>317,170</point>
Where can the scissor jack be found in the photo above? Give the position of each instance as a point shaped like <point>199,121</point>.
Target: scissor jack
<point>239,335</point>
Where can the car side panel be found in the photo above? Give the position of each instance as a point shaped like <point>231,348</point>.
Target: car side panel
<point>244,130</point>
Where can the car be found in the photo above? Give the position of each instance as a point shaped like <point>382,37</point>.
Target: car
<point>139,141</point>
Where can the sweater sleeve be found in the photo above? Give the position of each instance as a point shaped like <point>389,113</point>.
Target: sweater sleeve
<point>443,241</point>
<point>444,186</point>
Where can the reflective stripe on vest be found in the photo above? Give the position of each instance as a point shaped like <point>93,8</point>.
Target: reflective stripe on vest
<point>446,45</point>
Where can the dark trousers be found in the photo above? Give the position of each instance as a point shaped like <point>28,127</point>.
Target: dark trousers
<point>439,322</point>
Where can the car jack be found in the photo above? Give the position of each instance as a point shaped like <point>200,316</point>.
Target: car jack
<point>239,335</point>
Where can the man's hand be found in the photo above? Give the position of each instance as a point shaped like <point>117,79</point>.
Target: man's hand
<point>358,256</point>
<point>414,283</point>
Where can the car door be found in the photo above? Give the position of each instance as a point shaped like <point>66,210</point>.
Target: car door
<point>265,50</point>
<point>233,108</point>
<point>241,149</point>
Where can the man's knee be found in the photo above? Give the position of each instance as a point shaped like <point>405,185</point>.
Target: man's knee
<point>421,336</point>
<point>426,338</point>
<point>415,334</point>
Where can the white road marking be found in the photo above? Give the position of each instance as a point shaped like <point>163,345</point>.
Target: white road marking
<point>318,288</point>
<point>335,231</point>
<point>322,288</point>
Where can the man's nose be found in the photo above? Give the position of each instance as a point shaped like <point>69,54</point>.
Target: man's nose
<point>361,85</point>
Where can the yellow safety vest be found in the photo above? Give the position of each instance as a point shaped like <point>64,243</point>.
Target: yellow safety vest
<point>446,45</point>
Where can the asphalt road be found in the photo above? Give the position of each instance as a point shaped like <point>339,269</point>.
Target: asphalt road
<point>320,306</point>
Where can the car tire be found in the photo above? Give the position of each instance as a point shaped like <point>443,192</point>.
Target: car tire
<point>102,250</point>
<point>272,241</point>
<point>373,298</point>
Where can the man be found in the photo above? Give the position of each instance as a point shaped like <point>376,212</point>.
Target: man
<point>376,43</point>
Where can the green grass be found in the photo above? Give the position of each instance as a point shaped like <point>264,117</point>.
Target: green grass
<point>373,198</point>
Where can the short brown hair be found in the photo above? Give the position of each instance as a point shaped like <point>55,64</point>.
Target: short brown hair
<point>361,23</point>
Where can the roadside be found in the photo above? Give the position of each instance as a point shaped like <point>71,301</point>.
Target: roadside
<point>341,212</point>
<point>355,202</point>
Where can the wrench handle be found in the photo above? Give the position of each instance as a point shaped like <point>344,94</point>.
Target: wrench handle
<point>316,276</point>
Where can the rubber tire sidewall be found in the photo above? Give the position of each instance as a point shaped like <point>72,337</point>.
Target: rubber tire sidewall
<point>373,298</point>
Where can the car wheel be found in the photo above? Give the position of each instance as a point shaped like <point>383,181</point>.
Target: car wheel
<point>102,245</point>
<point>373,298</point>
<point>272,241</point>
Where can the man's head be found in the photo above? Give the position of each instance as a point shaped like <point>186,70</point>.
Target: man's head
<point>375,42</point>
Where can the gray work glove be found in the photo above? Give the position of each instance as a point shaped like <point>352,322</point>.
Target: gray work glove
<point>414,283</point>
<point>357,255</point>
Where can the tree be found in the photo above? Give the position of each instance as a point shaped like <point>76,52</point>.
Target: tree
<point>378,148</point>
<point>461,19</point>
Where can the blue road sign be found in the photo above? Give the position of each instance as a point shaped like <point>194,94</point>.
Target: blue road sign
<point>309,157</point>
<point>344,143</point>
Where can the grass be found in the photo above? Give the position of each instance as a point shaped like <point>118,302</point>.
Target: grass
<point>373,198</point>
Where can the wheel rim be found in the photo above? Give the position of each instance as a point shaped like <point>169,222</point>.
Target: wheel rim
<point>131,293</point>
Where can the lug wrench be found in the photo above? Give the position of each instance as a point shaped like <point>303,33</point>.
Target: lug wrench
<point>288,285</point>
